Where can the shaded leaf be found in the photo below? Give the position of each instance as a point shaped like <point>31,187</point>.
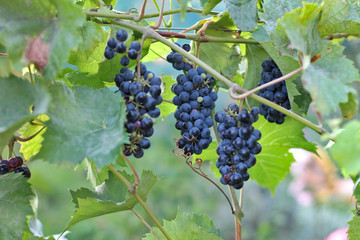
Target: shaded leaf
<point>354,227</point>
<point>345,151</point>
<point>209,5</point>
<point>273,162</point>
<point>15,205</point>
<point>95,175</point>
<point>186,226</point>
<point>349,109</point>
<point>243,12</point>
<point>51,27</point>
<point>17,97</point>
<point>87,122</point>
<point>84,79</point>
<point>326,79</point>
<point>111,196</point>
<point>167,108</point>
<point>92,35</point>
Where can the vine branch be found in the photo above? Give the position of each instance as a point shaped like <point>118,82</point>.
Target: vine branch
<point>146,224</point>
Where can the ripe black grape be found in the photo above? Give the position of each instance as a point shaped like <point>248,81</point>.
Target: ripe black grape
<point>276,93</point>
<point>14,165</point>
<point>238,144</point>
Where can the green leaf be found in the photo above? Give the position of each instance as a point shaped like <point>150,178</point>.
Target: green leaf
<point>244,13</point>
<point>87,122</point>
<point>227,57</point>
<point>33,146</point>
<point>298,97</point>
<point>354,227</point>
<point>297,30</point>
<point>326,79</point>
<point>17,97</point>
<point>186,226</point>
<point>167,108</point>
<point>260,34</point>
<point>339,16</point>
<point>95,176</point>
<point>156,51</point>
<point>14,196</point>
<point>345,151</point>
<point>49,27</point>
<point>111,196</point>
<point>255,55</point>
<point>210,155</point>
<point>349,109</point>
<point>209,5</point>
<point>84,79</point>
<point>273,162</point>
<point>92,35</point>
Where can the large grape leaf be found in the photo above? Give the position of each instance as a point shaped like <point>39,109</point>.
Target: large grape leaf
<point>298,97</point>
<point>326,78</point>
<point>84,79</point>
<point>84,122</point>
<point>15,206</point>
<point>166,107</point>
<point>49,27</point>
<point>275,9</point>
<point>186,226</point>
<point>92,34</point>
<point>156,51</point>
<point>274,161</point>
<point>244,13</point>
<point>297,30</point>
<point>354,227</point>
<point>339,16</point>
<point>345,151</point>
<point>17,96</point>
<point>227,57</point>
<point>111,196</point>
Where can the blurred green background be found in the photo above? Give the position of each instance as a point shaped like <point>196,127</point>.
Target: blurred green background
<point>267,217</point>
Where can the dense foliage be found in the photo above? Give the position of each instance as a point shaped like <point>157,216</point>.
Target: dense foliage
<point>74,89</point>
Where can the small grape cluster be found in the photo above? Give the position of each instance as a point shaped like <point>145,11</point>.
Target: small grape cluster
<point>178,61</point>
<point>118,46</point>
<point>276,93</point>
<point>141,90</point>
<point>239,144</point>
<point>14,165</point>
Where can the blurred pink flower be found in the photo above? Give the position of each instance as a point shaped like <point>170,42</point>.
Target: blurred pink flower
<point>339,234</point>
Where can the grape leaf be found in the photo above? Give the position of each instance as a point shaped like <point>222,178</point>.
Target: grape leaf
<point>349,109</point>
<point>275,9</point>
<point>210,155</point>
<point>186,226</point>
<point>156,51</point>
<point>255,55</point>
<point>299,102</point>
<point>33,146</point>
<point>16,97</point>
<point>339,16</point>
<point>244,13</point>
<point>273,162</point>
<point>354,227</point>
<point>298,30</point>
<point>52,27</point>
<point>166,108</point>
<point>87,122</point>
<point>92,34</point>
<point>209,5</point>
<point>95,176</point>
<point>84,79</point>
<point>325,79</point>
<point>14,196</point>
<point>227,57</point>
<point>347,153</point>
<point>111,196</point>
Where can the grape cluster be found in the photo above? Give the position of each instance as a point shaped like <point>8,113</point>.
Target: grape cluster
<point>141,90</point>
<point>118,46</point>
<point>194,100</point>
<point>14,165</point>
<point>239,144</point>
<point>276,93</point>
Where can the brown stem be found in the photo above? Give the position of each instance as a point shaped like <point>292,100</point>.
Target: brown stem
<point>137,179</point>
<point>280,79</point>
<point>3,54</point>
<point>160,16</point>
<point>31,77</point>
<point>142,12</point>
<point>146,224</point>
<point>19,139</point>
